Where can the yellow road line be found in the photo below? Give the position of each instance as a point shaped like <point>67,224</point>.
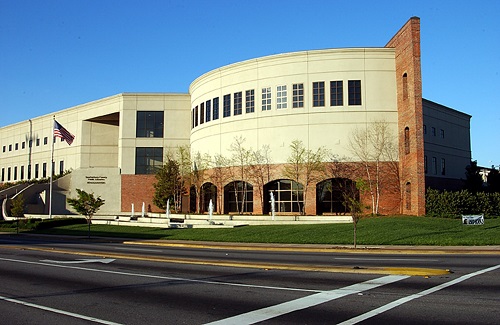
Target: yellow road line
<point>265,266</point>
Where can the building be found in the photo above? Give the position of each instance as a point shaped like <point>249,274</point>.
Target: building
<point>318,98</point>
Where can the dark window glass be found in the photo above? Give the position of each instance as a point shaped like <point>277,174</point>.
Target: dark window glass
<point>15,173</point>
<point>44,170</point>
<point>238,197</point>
<point>336,93</point>
<point>318,94</point>
<point>443,166</point>
<point>407,140</point>
<point>148,160</point>
<point>425,164</point>
<point>10,147</point>
<point>22,172</point>
<point>208,107</point>
<point>149,124</point>
<point>3,174</point>
<point>196,116</point>
<point>250,101</point>
<point>226,106</point>
<point>61,167</point>
<point>288,195</point>
<point>16,147</point>
<point>202,113</point>
<point>216,108</point>
<point>45,140</point>
<point>8,174</point>
<point>238,103</point>
<point>354,92</point>
<point>298,96</point>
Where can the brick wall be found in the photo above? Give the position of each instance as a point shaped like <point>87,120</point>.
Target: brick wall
<point>406,43</point>
<point>137,189</point>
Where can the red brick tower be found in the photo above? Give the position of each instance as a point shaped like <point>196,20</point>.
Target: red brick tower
<point>406,43</point>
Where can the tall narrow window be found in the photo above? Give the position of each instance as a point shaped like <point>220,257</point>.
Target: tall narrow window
<point>216,108</point>
<point>443,166</point>
<point>281,97</point>
<point>15,173</point>
<point>407,140</point>
<point>8,174</point>
<point>226,106</point>
<point>45,140</point>
<point>408,195</point>
<point>318,94</point>
<point>196,116</point>
<point>3,174</point>
<point>354,92</point>
<point>425,164</point>
<point>405,86</point>
<point>250,101</point>
<point>192,118</point>
<point>202,113</point>
<point>61,167</point>
<point>441,133</point>
<point>266,99</point>
<point>434,165</point>
<point>336,93</point>
<point>298,95</point>
<point>22,172</point>
<point>208,106</point>
<point>238,103</point>
<point>149,124</point>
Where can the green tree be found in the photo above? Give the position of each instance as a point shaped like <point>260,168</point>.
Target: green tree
<point>473,179</point>
<point>494,180</point>
<point>169,186</point>
<point>86,204</point>
<point>17,208</point>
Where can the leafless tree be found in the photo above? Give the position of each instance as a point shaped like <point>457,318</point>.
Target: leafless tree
<point>372,146</point>
<point>260,170</point>
<point>240,159</point>
<point>219,177</point>
<point>304,165</point>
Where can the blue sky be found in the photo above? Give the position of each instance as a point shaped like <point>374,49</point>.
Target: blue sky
<point>55,54</point>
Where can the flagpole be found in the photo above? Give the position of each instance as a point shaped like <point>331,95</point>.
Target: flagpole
<point>51,168</point>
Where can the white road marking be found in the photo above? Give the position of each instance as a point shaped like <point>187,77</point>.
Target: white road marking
<point>401,301</point>
<point>58,311</point>
<point>95,260</point>
<point>161,277</point>
<point>138,249</point>
<point>306,302</point>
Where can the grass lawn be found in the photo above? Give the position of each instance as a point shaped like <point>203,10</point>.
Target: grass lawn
<point>371,231</point>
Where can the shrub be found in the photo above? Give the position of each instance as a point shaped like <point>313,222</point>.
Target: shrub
<point>448,204</point>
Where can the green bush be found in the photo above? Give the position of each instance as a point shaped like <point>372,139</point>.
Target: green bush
<point>448,204</point>
<point>59,222</point>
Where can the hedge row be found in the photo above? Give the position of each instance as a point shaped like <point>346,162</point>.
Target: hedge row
<point>39,224</point>
<point>455,204</point>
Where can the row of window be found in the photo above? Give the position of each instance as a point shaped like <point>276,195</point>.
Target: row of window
<point>209,110</point>
<point>434,166</point>
<point>15,173</point>
<point>434,131</point>
<point>15,146</point>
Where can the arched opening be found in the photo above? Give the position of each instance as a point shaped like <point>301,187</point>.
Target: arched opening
<point>332,195</point>
<point>208,192</point>
<point>238,197</point>
<point>288,196</point>
<point>408,195</point>
<point>192,199</point>
<point>407,140</point>
<point>405,86</point>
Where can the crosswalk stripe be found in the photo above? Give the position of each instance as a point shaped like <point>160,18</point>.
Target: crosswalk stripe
<point>401,301</point>
<point>306,302</point>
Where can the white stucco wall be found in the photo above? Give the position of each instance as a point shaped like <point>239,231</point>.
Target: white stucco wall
<point>327,126</point>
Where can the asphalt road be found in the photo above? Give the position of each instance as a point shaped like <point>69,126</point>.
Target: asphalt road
<point>82,282</point>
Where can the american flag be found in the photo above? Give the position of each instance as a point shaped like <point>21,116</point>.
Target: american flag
<point>61,132</point>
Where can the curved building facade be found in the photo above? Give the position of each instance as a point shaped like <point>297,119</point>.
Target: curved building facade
<point>313,100</point>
